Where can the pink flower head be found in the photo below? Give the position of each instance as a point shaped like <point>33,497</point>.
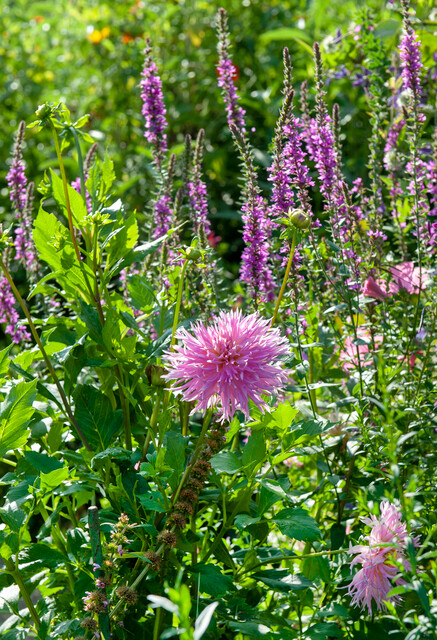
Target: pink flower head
<point>371,289</point>
<point>232,361</point>
<point>388,528</point>
<point>374,580</point>
<point>407,276</point>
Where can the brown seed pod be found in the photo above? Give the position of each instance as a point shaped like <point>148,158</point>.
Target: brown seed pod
<point>130,596</point>
<point>155,560</point>
<point>178,520</point>
<point>184,507</point>
<point>167,537</point>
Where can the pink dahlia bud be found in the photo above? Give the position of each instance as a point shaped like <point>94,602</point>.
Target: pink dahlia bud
<point>234,360</point>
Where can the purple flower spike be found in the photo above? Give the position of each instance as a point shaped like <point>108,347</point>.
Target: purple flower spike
<point>234,360</point>
<point>153,109</point>
<point>9,315</point>
<point>255,269</point>
<point>16,178</point>
<point>197,193</point>
<point>226,72</point>
<point>411,62</point>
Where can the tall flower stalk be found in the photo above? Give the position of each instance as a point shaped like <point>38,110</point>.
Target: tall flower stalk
<point>255,262</point>
<point>153,109</point>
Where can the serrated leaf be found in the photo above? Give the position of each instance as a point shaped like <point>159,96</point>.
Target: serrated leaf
<point>95,416</point>
<point>15,414</point>
<point>225,462</point>
<point>282,580</point>
<point>297,524</point>
<point>210,579</point>
<point>77,204</point>
<point>4,360</point>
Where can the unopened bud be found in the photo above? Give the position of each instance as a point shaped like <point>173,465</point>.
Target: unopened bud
<point>44,111</point>
<point>299,218</point>
<point>154,375</point>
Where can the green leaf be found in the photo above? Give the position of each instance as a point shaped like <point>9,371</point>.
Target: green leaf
<point>53,241</point>
<point>40,555</point>
<point>174,456</point>
<point>323,630</point>
<point>225,462</point>
<point>209,579</point>
<point>297,524</point>
<point>4,360</point>
<point>77,204</point>
<point>141,293</point>
<point>95,416</point>
<point>15,414</point>
<point>255,448</point>
<point>152,501</point>
<point>134,255</point>
<point>124,240</point>
<point>53,479</point>
<point>282,580</point>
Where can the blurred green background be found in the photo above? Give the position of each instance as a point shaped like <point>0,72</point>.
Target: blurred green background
<point>89,54</point>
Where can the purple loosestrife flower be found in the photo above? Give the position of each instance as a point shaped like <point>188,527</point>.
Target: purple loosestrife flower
<point>153,109</point>
<point>9,314</point>
<point>163,215</point>
<point>255,268</point>
<point>234,360</point>
<point>16,178</point>
<point>197,193</point>
<point>386,545</point>
<point>226,74</point>
<point>411,62</point>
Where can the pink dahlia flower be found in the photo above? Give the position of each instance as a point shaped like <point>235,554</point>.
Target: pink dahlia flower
<point>373,581</point>
<point>228,363</point>
<point>386,545</point>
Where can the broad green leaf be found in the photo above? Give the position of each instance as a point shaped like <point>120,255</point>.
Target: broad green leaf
<point>40,555</point>
<point>124,240</point>
<point>53,479</point>
<point>225,462</point>
<point>297,524</point>
<point>95,416</point>
<point>15,414</point>
<point>209,578</point>
<point>255,448</point>
<point>283,580</point>
<point>152,501</point>
<point>4,360</point>
<point>77,205</point>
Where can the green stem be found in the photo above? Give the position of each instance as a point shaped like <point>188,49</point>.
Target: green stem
<point>44,355</point>
<point>302,556</point>
<point>6,461</point>
<point>23,590</point>
<point>178,304</point>
<point>187,471</point>
<point>65,184</point>
<point>68,206</point>
<point>287,273</point>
